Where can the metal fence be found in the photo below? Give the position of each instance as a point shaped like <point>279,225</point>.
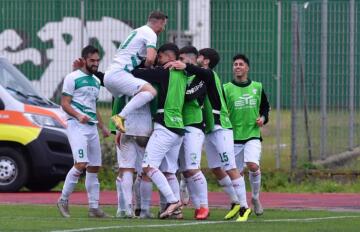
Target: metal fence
<point>306,53</point>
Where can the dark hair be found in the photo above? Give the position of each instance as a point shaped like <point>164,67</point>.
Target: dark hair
<point>88,50</point>
<point>157,15</point>
<point>169,47</point>
<point>212,55</point>
<point>189,49</point>
<point>241,57</point>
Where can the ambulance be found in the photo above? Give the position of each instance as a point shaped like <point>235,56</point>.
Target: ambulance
<point>34,150</point>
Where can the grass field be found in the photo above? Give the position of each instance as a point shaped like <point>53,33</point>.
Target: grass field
<point>46,218</point>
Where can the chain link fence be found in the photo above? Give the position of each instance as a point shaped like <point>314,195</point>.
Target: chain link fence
<point>306,54</point>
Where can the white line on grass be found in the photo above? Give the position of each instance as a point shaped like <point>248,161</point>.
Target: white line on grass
<point>205,223</point>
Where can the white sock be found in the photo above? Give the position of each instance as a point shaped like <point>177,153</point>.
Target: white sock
<point>161,183</point>
<point>201,189</point>
<point>120,195</point>
<point>145,195</point>
<point>239,186</point>
<point>194,195</point>
<point>71,180</point>
<point>163,202</point>
<point>174,185</point>
<point>229,189</point>
<point>93,189</point>
<point>137,192</point>
<point>127,184</point>
<point>137,101</point>
<point>255,182</point>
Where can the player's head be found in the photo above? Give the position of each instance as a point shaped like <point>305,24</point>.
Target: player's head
<point>157,21</point>
<point>167,52</point>
<point>91,57</point>
<point>208,58</point>
<point>240,66</point>
<point>189,54</point>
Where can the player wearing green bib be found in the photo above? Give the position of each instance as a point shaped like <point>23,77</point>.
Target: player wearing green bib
<point>162,150</point>
<point>219,143</point>
<point>191,148</point>
<point>249,111</point>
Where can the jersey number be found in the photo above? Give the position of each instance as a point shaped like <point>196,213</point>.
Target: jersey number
<point>81,153</point>
<point>128,40</point>
<point>224,157</point>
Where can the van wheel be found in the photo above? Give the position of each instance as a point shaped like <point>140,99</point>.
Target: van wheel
<point>13,170</point>
<point>42,186</point>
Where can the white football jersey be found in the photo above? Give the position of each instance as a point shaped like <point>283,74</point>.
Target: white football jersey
<point>132,51</point>
<point>84,90</point>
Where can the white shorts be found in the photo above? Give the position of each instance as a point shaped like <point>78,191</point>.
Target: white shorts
<point>163,142</point>
<point>130,153</point>
<point>84,142</point>
<point>121,82</point>
<point>170,162</point>
<point>248,152</point>
<point>219,146</point>
<point>191,149</point>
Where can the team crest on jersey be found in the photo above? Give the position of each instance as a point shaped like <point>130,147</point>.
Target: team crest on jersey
<point>193,158</point>
<point>254,91</point>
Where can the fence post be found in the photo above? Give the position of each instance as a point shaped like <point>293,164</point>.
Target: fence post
<point>82,17</point>
<point>278,86</point>
<point>324,40</point>
<point>294,73</point>
<point>178,31</point>
<point>352,72</point>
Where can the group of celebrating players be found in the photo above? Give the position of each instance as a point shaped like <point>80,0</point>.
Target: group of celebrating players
<point>168,104</point>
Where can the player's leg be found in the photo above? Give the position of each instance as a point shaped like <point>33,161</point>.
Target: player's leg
<point>161,141</point>
<point>91,180</point>
<point>145,196</point>
<point>225,146</point>
<point>124,83</point>
<point>78,145</point>
<point>126,155</point>
<point>169,167</point>
<point>195,179</point>
<point>252,155</point>
<point>215,163</point>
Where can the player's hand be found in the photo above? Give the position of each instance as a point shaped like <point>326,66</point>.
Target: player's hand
<point>118,139</point>
<point>79,63</point>
<point>105,132</point>
<point>82,118</point>
<point>260,121</point>
<point>178,65</point>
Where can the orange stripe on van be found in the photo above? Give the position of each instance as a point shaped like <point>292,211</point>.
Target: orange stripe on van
<point>42,111</point>
<point>15,118</point>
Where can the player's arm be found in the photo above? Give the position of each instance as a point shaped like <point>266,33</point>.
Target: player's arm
<point>105,132</point>
<point>66,105</point>
<point>150,56</point>
<point>264,110</point>
<point>196,89</point>
<point>153,76</point>
<point>66,98</point>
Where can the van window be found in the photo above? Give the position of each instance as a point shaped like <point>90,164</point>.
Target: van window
<point>2,106</point>
<point>20,87</point>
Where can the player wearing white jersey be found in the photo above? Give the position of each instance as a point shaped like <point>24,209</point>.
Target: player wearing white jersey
<point>139,47</point>
<point>79,96</point>
<point>130,151</point>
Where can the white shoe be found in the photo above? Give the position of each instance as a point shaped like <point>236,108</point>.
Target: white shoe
<point>63,206</point>
<point>170,209</point>
<point>258,209</point>
<point>97,213</point>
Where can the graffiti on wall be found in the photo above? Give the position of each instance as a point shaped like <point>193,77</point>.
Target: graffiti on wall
<point>66,39</point>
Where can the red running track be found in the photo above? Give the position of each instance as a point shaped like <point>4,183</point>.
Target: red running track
<point>332,201</point>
